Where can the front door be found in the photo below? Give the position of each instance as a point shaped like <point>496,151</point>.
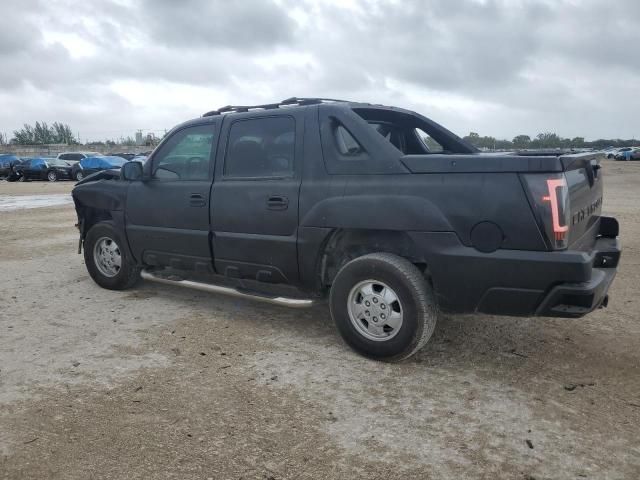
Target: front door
<point>167,216</point>
<point>254,211</point>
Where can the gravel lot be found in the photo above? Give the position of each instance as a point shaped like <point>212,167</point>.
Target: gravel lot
<point>161,382</point>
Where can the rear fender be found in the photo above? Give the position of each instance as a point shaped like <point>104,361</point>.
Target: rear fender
<point>394,212</point>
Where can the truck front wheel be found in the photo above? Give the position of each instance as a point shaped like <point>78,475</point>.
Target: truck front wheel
<point>383,307</point>
<point>107,260</point>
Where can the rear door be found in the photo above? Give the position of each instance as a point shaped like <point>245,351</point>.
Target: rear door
<point>254,210</point>
<point>168,216</point>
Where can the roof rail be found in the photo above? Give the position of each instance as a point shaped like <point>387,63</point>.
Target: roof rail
<point>289,102</point>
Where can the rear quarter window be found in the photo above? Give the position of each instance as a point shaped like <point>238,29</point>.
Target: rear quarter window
<point>346,144</point>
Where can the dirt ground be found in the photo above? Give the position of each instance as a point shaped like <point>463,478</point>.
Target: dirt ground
<point>161,382</point>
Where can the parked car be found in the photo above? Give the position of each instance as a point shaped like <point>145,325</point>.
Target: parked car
<point>311,194</point>
<point>613,153</point>
<point>75,157</point>
<point>43,168</point>
<point>629,154</point>
<point>6,164</point>
<point>90,165</point>
<point>126,156</point>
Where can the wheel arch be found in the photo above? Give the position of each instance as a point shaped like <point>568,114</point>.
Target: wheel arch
<point>90,216</point>
<point>344,245</point>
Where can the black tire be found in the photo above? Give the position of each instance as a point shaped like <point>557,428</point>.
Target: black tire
<point>22,178</point>
<point>52,176</point>
<point>79,176</point>
<point>415,295</point>
<point>128,274</point>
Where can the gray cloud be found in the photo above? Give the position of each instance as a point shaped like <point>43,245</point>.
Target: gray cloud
<point>497,67</point>
<point>238,25</point>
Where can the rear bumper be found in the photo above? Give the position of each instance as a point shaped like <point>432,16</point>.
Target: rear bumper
<point>566,283</point>
<point>577,299</point>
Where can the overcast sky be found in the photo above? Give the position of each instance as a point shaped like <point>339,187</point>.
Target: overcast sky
<point>498,68</point>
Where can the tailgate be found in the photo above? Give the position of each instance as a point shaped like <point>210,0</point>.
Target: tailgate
<point>584,181</point>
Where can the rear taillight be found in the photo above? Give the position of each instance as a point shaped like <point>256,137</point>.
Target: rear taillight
<point>550,197</point>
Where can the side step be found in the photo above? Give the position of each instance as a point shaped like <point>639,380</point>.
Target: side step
<point>211,288</point>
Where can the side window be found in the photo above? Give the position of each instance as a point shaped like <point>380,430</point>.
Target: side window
<point>75,156</point>
<point>65,157</point>
<point>185,155</point>
<point>345,143</point>
<point>261,147</point>
<point>427,141</point>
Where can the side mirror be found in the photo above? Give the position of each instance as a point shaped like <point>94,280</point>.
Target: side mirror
<point>131,171</point>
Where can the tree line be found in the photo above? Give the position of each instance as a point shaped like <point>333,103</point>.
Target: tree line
<point>42,134</point>
<point>544,140</point>
<point>60,133</point>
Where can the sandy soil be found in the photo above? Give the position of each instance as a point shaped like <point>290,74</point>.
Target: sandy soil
<point>161,382</point>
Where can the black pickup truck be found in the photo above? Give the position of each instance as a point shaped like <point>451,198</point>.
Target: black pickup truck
<point>384,211</point>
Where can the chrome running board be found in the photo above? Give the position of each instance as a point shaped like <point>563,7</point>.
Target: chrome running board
<point>211,288</point>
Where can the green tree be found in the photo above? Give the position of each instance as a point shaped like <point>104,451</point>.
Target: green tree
<point>521,141</point>
<point>41,134</point>
<point>547,140</point>
<point>577,142</point>
<point>24,136</point>
<point>473,138</point>
<point>62,133</point>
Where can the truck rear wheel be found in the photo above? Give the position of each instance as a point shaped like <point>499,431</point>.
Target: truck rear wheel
<point>383,307</point>
<point>107,260</point>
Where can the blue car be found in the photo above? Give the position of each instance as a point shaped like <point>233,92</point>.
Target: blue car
<point>90,165</point>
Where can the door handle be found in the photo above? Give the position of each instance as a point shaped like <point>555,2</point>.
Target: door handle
<point>197,200</point>
<point>277,202</point>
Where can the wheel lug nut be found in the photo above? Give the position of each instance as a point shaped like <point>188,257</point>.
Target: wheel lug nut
<point>382,316</point>
<point>383,306</point>
<point>375,319</point>
<point>375,300</point>
<point>367,303</point>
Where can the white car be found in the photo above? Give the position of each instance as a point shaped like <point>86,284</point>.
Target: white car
<point>75,157</point>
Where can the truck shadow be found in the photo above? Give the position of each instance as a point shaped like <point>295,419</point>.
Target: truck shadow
<point>473,342</point>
